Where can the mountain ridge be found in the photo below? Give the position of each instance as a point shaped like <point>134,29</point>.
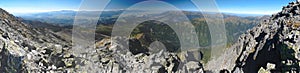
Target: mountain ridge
<point>26,49</point>
<point>271,46</point>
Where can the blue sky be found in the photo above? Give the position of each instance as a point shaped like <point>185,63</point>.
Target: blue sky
<point>230,6</point>
<point>28,6</point>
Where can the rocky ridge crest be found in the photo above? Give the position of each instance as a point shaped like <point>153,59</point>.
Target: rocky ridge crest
<point>26,49</point>
<point>271,46</point>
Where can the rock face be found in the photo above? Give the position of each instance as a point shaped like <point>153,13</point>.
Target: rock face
<point>24,49</point>
<point>116,59</point>
<point>271,46</point>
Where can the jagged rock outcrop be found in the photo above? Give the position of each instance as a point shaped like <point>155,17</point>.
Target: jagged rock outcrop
<point>26,49</point>
<point>272,46</point>
<point>114,58</point>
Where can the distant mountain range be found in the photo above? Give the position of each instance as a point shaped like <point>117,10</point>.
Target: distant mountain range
<point>61,22</point>
<point>66,17</point>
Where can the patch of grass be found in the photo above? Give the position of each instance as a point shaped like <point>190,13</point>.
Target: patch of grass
<point>206,55</point>
<point>106,30</point>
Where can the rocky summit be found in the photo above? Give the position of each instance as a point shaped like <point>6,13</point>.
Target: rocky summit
<point>271,46</point>
<point>24,49</point>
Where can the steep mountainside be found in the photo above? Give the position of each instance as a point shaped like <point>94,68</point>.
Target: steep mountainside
<point>26,49</point>
<point>272,46</point>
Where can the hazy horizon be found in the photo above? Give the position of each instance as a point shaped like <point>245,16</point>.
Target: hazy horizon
<point>259,7</point>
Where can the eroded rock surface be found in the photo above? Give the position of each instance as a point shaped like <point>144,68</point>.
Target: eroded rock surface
<point>24,49</point>
<point>274,41</point>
